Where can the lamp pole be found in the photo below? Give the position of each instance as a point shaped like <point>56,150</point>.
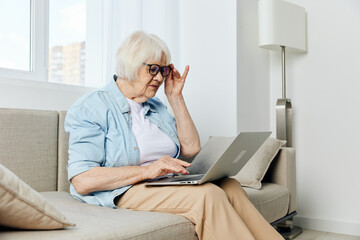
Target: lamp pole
<point>284,109</point>
<point>283,72</point>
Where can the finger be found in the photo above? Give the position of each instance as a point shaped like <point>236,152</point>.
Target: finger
<point>182,163</point>
<point>180,169</point>
<point>169,77</point>
<point>171,74</point>
<point>175,71</point>
<point>186,72</point>
<point>186,172</point>
<point>171,71</point>
<point>176,165</point>
<point>174,168</point>
<point>169,161</point>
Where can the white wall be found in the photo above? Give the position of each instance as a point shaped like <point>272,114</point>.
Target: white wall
<point>28,94</point>
<point>227,89</point>
<point>324,86</point>
<point>208,45</point>
<point>252,72</point>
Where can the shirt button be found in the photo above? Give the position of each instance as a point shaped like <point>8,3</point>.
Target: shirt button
<point>134,148</point>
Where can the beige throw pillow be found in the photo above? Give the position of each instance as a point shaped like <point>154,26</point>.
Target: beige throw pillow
<point>254,171</point>
<point>22,207</point>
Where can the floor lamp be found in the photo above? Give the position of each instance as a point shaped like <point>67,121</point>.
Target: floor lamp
<point>282,26</point>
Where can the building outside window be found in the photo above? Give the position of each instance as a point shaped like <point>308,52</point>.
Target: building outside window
<point>67,41</point>
<point>67,64</point>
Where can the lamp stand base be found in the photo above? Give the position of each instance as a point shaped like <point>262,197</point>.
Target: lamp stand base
<point>289,233</point>
<point>288,230</point>
<point>284,120</point>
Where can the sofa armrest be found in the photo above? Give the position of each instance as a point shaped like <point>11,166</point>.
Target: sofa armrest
<point>282,171</point>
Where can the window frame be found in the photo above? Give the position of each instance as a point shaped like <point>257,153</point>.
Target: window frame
<point>39,30</point>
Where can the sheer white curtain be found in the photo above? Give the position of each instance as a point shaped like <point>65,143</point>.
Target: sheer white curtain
<point>122,17</point>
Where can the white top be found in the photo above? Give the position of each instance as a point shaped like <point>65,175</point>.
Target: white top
<point>152,142</point>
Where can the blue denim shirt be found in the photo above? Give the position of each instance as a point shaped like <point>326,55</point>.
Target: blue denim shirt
<point>99,129</point>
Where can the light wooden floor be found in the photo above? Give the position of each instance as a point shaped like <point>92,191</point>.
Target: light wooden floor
<point>316,235</point>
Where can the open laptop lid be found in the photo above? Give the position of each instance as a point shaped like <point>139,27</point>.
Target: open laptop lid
<point>222,157</point>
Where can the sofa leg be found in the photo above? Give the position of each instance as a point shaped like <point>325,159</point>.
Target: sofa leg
<point>288,230</point>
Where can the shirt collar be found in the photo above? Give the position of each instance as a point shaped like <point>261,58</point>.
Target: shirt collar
<point>121,100</point>
<point>117,94</point>
<point>148,107</point>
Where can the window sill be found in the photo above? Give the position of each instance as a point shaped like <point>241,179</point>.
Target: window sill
<point>44,85</point>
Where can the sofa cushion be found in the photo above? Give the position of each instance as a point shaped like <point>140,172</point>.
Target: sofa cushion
<point>272,201</point>
<point>254,171</point>
<point>22,207</point>
<point>94,222</point>
<point>28,145</point>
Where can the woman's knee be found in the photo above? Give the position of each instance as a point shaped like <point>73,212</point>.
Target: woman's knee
<point>210,191</point>
<point>232,187</point>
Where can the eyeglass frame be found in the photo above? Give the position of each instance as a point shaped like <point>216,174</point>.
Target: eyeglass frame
<point>160,69</point>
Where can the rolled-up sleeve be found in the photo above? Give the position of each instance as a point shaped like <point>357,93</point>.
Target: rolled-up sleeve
<point>86,140</point>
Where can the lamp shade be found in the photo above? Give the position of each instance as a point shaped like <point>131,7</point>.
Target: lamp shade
<point>281,24</point>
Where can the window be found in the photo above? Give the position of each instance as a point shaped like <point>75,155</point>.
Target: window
<point>44,40</point>
<point>15,37</point>
<point>22,53</point>
<point>74,41</point>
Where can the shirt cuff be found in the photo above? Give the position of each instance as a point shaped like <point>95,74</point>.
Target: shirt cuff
<point>76,168</point>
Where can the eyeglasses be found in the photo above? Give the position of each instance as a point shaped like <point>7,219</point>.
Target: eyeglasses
<point>154,69</point>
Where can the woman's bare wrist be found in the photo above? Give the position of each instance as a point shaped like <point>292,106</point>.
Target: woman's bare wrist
<point>144,172</point>
<point>175,99</point>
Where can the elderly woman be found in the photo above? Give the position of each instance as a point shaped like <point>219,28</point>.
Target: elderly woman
<point>122,134</point>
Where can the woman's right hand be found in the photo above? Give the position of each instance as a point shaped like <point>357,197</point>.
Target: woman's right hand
<point>165,165</point>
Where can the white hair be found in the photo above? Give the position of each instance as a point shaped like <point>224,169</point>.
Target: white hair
<point>138,48</point>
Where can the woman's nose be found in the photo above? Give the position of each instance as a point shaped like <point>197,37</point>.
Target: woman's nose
<point>159,77</point>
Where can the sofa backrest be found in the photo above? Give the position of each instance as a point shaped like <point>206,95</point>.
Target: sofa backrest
<point>29,146</point>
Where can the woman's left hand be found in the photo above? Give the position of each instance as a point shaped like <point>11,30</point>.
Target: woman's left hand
<point>174,83</point>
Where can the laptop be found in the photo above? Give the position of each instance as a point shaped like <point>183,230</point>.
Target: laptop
<point>219,158</point>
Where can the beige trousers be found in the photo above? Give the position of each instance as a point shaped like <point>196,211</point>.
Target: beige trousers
<point>219,210</point>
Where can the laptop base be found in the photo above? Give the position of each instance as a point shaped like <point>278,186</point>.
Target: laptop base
<point>177,180</point>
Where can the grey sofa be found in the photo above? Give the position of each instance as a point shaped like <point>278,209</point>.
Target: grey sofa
<point>33,144</point>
